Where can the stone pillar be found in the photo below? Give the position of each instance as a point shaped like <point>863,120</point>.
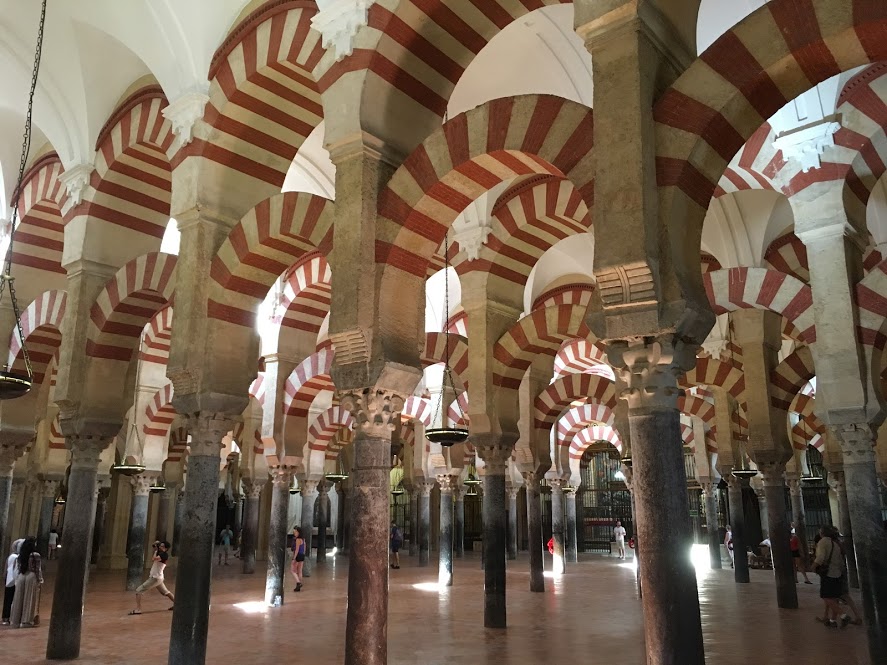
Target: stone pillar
<point>47,506</point>
<point>710,496</point>
<point>763,511</point>
<point>459,522</point>
<point>161,532</point>
<point>647,378</point>
<point>571,551</point>
<point>275,577</point>
<point>414,521</point>
<point>534,531</point>
<point>190,618</point>
<point>98,532</point>
<point>138,524</point>
<point>250,538</point>
<point>8,455</point>
<point>345,518</point>
<point>340,518</point>
<point>557,524</point>
<point>845,525</point>
<point>512,522</point>
<point>323,512</point>
<point>779,532</point>
<point>737,522</point>
<point>63,642</point>
<point>309,498</point>
<point>177,521</point>
<point>445,565</point>
<point>238,514</point>
<point>495,452</point>
<point>424,487</point>
<point>799,517</point>
<point>366,628</point>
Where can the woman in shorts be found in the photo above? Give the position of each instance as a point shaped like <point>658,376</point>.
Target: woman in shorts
<point>298,557</point>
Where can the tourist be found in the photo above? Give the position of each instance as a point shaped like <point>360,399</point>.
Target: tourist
<point>9,591</point>
<point>551,545</point>
<point>728,543</point>
<point>619,533</point>
<point>225,540</point>
<point>28,582</point>
<point>800,565</point>
<point>298,557</point>
<point>53,542</point>
<point>395,542</point>
<point>829,565</point>
<point>155,577</point>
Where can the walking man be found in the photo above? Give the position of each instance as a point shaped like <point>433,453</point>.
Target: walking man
<point>225,540</point>
<point>619,533</point>
<point>155,578</point>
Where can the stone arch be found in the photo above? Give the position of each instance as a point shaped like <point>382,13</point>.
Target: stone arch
<point>160,413</point>
<point>789,376</point>
<point>41,327</point>
<point>580,416</point>
<point>577,356</point>
<point>552,401</point>
<point>418,408</point>
<point>458,416</point>
<point>568,294</point>
<point>305,382</point>
<point>788,255</point>
<point>40,234</point>
<point>709,371</point>
<point>754,166</point>
<point>587,436</point>
<point>155,345</point>
<point>435,352</point>
<point>321,433</point>
<point>692,405</point>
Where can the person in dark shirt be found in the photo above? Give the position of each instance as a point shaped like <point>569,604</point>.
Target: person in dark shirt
<point>155,577</point>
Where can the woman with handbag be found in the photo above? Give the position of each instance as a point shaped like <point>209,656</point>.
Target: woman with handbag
<point>829,565</point>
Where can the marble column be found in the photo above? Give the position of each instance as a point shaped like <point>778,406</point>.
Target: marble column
<point>557,524</point>
<point>764,512</point>
<point>425,487</point>
<point>275,576</point>
<point>799,517</point>
<point>846,526</point>
<point>8,455</point>
<point>323,512</point>
<point>177,521</point>
<point>345,523</point>
<point>445,563</point>
<point>190,617</point>
<point>238,514</point>
<point>340,519</point>
<point>250,538</point>
<point>710,496</point>
<point>414,521</point>
<point>161,531</point>
<point>495,456</point>
<point>571,550</point>
<point>65,621</point>
<point>459,522</point>
<point>773,476</point>
<point>47,506</point>
<point>737,522</point>
<point>138,524</point>
<point>366,624</point>
<point>512,522</point>
<point>309,499</point>
<point>98,531</point>
<point>534,531</point>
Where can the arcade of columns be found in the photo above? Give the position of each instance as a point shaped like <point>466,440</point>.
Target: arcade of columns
<point>148,358</point>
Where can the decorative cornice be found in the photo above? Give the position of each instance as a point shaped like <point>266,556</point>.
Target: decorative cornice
<point>339,21</point>
<point>76,180</point>
<point>127,105</point>
<point>183,114</point>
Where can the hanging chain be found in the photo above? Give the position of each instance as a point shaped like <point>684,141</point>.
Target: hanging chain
<point>7,277</point>
<point>448,371</point>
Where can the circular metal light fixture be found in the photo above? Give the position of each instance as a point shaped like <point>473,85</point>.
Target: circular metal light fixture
<point>128,469</point>
<point>336,477</point>
<point>13,384</point>
<point>397,491</point>
<point>744,473</point>
<point>446,436</point>
<point>295,490</point>
<point>810,478</point>
<point>157,488</point>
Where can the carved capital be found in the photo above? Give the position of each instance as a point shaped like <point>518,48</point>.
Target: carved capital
<point>8,456</point>
<point>183,115</point>
<point>86,451</point>
<point>794,485</point>
<point>857,442</point>
<point>50,488</point>
<point>709,489</point>
<point>76,179</point>
<point>207,431</point>
<point>647,370</point>
<point>531,481</point>
<point>253,488</point>
<point>557,485</point>
<point>424,487</point>
<point>323,488</point>
<point>309,488</point>
<point>375,411</point>
<point>512,492</point>
<point>447,483</point>
<point>772,474</point>
<point>282,476</point>
<point>338,22</point>
<point>837,482</point>
<point>141,484</point>
<point>734,482</point>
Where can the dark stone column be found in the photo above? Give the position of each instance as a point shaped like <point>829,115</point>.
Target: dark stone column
<point>495,456</point>
<point>190,618</point>
<point>177,521</point>
<point>512,523</point>
<point>445,565</point>
<point>863,500</point>
<point>846,526</point>
<point>322,517</point>
<point>459,522</point>
<point>47,506</point>
<point>161,532</point>
<point>346,520</point>
<point>414,521</point>
<point>275,577</point>
<point>557,524</point>
<point>250,539</point>
<point>763,511</point>
<point>534,531</point>
<point>425,487</point>
<point>309,498</point>
<point>340,519</point>
<point>138,525</point>
<point>647,375</point>
<point>366,627</point>
<point>571,549</point>
<point>799,517</point>
<point>238,514</point>
<point>737,522</point>
<point>780,533</point>
<point>710,496</point>
<point>98,531</point>
<point>65,621</point>
<point>9,453</point>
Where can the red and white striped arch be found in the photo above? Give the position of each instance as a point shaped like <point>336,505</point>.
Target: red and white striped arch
<point>758,288</point>
<point>257,388</point>
<point>418,408</point>
<point>457,412</point>
<point>435,352</point>
<point>326,425</point>
<point>789,376</point>
<point>343,437</point>
<point>577,356</point>
<point>178,444</point>
<point>871,301</point>
<point>155,346</point>
<point>41,326</point>
<point>692,405</point>
<point>458,324</point>
<point>56,438</point>
<point>270,238</point>
<point>589,413</point>
<point>126,304</point>
<point>787,254</point>
<point>306,294</point>
<point>160,413</point>
<point>570,389</point>
<point>711,372</point>
<point>40,234</point>
<point>568,294</point>
<point>808,431</point>
<point>587,436</point>
<point>754,166</point>
<point>306,381</point>
<point>509,138</point>
<point>688,436</point>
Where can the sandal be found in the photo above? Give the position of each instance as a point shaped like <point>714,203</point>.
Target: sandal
<point>134,613</point>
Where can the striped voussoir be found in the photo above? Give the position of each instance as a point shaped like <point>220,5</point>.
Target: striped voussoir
<point>306,294</point>
<point>417,408</point>
<point>542,331</point>
<point>688,436</point>
<point>40,234</point>
<point>321,431</point>
<point>753,167</point>
<point>257,388</point>
<point>270,238</point>
<point>435,352</point>
<point>308,379</point>
<point>160,413</point>
<point>56,438</point>
<point>568,294</point>
<point>569,390</point>
<point>805,430</point>
<point>739,422</point>
<point>789,376</point>
<point>711,372</point>
<point>470,154</point>
<point>457,412</point>
<point>128,302</point>
<point>803,404</point>
<point>693,405</point>
<point>407,433</point>
<point>871,302</point>
<point>178,443</point>
<point>263,98</point>
<point>155,347</point>
<point>586,437</point>
<point>458,323</point>
<point>582,415</point>
<point>577,356</point>
<point>41,326</point>
<point>787,254</point>
<point>759,288</point>
<point>342,438</point>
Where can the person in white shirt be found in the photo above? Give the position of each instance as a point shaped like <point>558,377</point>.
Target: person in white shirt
<point>619,534</point>
<point>53,542</point>
<point>728,543</point>
<point>155,579</point>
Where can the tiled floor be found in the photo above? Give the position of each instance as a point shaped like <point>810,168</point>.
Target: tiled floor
<point>590,616</point>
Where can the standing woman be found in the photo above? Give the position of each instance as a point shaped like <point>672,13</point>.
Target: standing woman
<point>10,574</point>
<point>298,557</point>
<point>28,583</point>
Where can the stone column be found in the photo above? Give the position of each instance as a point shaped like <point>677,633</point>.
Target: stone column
<point>161,532</point>
<point>737,522</point>
<point>340,519</point>
<point>414,521</point>
<point>238,513</point>
<point>323,512</point>
<point>63,642</point>
<point>47,506</point>
<point>250,539</point>
<point>557,524</point>
<point>445,563</point>
<point>779,531</point>
<point>512,522</point>
<point>534,531</point>
<point>190,618</point>
<point>275,577</point>
<point>138,524</point>
<point>710,495</point>
<point>763,511</point>
<point>495,451</point>
<point>309,498</point>
<point>98,532</point>
<point>647,376</point>
<point>459,522</point>
<point>424,518</point>
<point>799,517</point>
<point>845,525</point>
<point>571,546</point>
<point>177,521</point>
<point>8,455</point>
<point>345,520</point>
<point>366,628</point>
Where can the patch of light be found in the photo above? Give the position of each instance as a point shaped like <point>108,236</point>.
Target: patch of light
<point>631,564</point>
<point>252,607</point>
<point>333,551</point>
<point>619,476</point>
<point>700,558</point>
<point>171,238</point>
<point>427,586</point>
<point>548,573</point>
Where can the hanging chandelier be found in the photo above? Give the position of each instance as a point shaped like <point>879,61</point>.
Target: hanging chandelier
<point>130,468</point>
<point>446,436</point>
<point>17,384</point>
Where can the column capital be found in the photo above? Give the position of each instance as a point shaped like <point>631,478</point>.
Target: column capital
<point>794,484</point>
<point>531,481</point>
<point>207,429</point>
<point>375,411</point>
<point>253,488</point>
<point>735,481</point>
<point>323,487</point>
<point>495,450</point>
<point>708,488</point>
<point>857,442</point>
<point>141,484</point>
<point>281,475</point>
<point>557,485</point>
<point>447,483</point>
<point>772,474</point>
<point>647,370</point>
<point>50,488</point>
<point>309,488</point>
<point>85,450</point>
<point>8,456</point>
<point>512,492</point>
<point>836,480</point>
<point>424,486</point>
